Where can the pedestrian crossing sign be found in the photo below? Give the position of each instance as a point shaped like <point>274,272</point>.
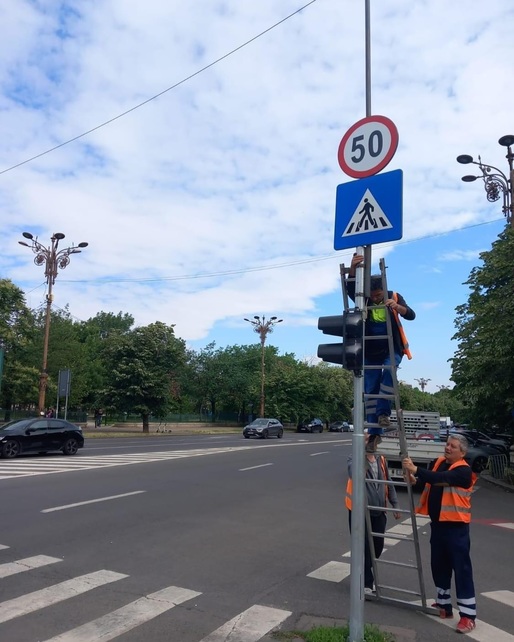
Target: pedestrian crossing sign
<point>369,210</point>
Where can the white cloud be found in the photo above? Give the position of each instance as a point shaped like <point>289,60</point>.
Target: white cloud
<point>237,168</point>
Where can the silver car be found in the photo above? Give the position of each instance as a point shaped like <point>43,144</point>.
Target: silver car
<point>264,428</point>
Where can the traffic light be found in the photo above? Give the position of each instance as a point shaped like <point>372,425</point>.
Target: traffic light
<point>349,326</point>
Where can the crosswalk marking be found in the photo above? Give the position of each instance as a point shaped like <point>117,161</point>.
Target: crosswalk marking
<point>26,564</point>
<point>29,467</point>
<point>249,626</point>
<point>2,547</point>
<point>332,572</point>
<point>57,593</point>
<point>504,597</point>
<point>506,525</point>
<point>483,633</point>
<point>127,617</point>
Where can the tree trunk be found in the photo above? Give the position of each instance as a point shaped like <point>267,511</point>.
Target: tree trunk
<point>146,425</point>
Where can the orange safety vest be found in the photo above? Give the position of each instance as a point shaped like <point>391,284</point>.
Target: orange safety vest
<point>455,502</point>
<point>349,483</point>
<point>403,336</point>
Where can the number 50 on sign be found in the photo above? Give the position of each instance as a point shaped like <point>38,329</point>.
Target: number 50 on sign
<point>368,146</point>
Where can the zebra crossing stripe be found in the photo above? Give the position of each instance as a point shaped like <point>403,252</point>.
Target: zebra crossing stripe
<point>26,564</point>
<point>249,626</point>
<point>2,547</point>
<point>127,617</point>
<point>504,597</point>
<point>332,572</point>
<point>31,602</point>
<point>483,633</point>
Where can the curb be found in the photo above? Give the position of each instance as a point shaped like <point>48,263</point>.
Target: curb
<point>305,622</point>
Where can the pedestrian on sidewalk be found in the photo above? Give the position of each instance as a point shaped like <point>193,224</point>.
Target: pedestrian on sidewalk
<point>377,494</point>
<point>446,499</point>
<point>376,351</point>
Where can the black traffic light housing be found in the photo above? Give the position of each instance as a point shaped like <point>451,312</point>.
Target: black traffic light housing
<point>349,353</point>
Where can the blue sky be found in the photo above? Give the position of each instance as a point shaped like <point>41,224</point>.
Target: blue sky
<point>216,201</point>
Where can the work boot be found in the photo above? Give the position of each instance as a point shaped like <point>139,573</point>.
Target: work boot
<point>384,421</point>
<point>373,441</point>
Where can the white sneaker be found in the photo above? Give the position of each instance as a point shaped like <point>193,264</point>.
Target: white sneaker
<point>369,591</point>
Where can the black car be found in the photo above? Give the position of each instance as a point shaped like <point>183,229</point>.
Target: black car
<point>315,425</point>
<point>39,435</point>
<point>339,426</point>
<point>264,428</point>
<point>477,438</point>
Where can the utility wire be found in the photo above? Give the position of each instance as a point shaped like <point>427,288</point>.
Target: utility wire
<point>161,93</point>
<point>264,268</point>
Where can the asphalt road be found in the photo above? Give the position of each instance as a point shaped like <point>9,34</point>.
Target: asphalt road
<point>188,538</point>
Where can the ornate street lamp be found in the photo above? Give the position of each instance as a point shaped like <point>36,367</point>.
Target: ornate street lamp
<point>496,183</point>
<point>263,328</point>
<point>423,383</point>
<point>54,260</point>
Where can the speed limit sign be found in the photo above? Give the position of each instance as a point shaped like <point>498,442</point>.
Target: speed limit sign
<point>368,146</point>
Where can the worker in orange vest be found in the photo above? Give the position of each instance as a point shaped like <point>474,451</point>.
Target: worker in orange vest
<point>376,351</point>
<point>377,495</point>
<point>446,499</point>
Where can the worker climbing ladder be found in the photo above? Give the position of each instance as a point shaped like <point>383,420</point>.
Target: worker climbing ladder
<point>412,594</point>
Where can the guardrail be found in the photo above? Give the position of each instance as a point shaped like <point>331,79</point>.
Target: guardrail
<point>500,467</point>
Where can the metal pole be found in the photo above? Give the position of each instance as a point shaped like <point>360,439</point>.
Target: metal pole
<point>43,379</point>
<point>367,21</point>
<point>358,454</point>
<point>263,340</point>
<point>511,180</point>
<point>359,491</point>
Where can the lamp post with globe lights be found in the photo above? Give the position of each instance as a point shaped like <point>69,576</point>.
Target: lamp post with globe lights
<point>423,383</point>
<point>53,260</point>
<point>496,183</point>
<point>263,328</point>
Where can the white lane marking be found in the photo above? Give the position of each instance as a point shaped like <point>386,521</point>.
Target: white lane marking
<point>505,597</point>
<point>26,564</point>
<point>249,626</point>
<point>36,600</point>
<point>127,617</point>
<point>2,547</point>
<point>505,525</point>
<point>326,452</point>
<point>92,501</point>
<point>332,572</point>
<point>254,467</point>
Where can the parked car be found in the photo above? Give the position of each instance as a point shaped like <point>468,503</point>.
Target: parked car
<point>477,438</point>
<point>315,425</point>
<point>39,435</point>
<point>264,428</point>
<point>339,426</point>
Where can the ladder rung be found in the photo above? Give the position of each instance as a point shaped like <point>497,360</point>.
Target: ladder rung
<point>378,396</point>
<point>400,538</point>
<point>402,564</point>
<point>385,367</point>
<point>397,588</point>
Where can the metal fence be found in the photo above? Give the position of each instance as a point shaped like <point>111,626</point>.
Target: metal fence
<point>500,467</point>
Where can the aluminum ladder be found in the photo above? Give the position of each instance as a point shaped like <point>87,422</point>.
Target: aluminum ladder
<point>413,597</point>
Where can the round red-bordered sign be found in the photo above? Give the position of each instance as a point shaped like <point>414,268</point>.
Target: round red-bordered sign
<point>368,146</point>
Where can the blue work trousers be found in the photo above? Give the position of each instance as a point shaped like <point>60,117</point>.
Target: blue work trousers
<point>450,554</point>
<point>378,381</point>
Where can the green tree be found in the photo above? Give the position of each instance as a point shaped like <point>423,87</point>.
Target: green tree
<point>143,366</point>
<point>483,366</point>
<point>17,332</point>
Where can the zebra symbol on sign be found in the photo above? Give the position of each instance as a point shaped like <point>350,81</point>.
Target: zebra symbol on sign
<point>368,216</point>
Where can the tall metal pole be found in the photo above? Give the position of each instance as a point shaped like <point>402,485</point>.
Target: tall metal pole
<point>263,371</point>
<point>359,503</point>
<point>358,535</point>
<point>367,21</point>
<point>263,328</point>
<point>53,260</point>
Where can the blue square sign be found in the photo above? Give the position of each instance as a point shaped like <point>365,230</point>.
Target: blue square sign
<point>369,210</point>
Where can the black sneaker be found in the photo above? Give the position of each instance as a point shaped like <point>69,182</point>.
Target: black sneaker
<point>373,441</point>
